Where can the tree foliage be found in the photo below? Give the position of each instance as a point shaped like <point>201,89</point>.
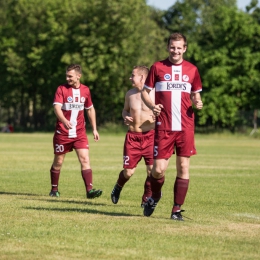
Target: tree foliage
<point>40,38</point>
<point>224,44</point>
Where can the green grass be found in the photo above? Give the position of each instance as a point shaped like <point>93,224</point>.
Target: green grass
<point>222,201</point>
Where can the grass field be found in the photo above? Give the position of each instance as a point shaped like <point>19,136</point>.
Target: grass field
<point>223,204</point>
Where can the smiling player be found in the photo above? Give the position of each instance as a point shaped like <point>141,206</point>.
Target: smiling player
<point>177,86</point>
<point>70,100</point>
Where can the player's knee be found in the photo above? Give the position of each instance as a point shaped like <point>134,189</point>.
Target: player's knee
<point>57,165</point>
<point>149,170</point>
<point>183,171</point>
<point>85,165</point>
<point>158,173</point>
<point>128,173</point>
<point>184,167</point>
<point>84,161</point>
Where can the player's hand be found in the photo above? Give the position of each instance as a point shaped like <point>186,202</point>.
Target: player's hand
<point>198,104</point>
<point>67,124</point>
<point>128,120</point>
<point>157,109</point>
<point>96,135</point>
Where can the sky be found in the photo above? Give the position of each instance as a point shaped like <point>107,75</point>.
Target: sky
<point>165,4</point>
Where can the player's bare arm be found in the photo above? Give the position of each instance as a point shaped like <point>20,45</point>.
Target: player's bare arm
<point>156,108</point>
<point>196,100</point>
<point>59,114</point>
<point>91,113</point>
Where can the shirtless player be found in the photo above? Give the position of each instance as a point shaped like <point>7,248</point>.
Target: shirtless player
<point>139,139</point>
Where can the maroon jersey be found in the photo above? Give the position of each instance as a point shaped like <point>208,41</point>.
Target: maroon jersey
<point>173,85</point>
<point>72,102</point>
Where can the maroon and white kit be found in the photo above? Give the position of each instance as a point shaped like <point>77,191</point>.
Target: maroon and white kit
<point>73,101</point>
<point>173,85</point>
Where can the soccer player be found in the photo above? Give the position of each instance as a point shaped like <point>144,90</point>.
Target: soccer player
<point>140,136</point>
<point>70,100</point>
<point>177,86</point>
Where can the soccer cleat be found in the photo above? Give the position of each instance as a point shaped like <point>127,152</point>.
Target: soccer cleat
<point>177,215</point>
<point>143,202</point>
<point>149,206</point>
<point>94,193</point>
<point>115,194</point>
<point>54,194</point>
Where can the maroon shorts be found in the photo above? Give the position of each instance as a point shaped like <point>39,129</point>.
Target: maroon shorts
<point>63,144</point>
<point>166,142</point>
<point>138,146</point>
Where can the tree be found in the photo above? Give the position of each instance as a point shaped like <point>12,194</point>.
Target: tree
<point>224,45</point>
<point>109,45</point>
<point>40,38</point>
<point>230,65</point>
<point>33,40</point>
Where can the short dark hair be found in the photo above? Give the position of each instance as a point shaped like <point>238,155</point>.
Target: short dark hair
<point>177,37</point>
<point>75,67</point>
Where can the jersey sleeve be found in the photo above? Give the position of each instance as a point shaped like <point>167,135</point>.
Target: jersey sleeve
<point>88,102</point>
<point>151,78</point>
<point>58,97</point>
<point>196,84</point>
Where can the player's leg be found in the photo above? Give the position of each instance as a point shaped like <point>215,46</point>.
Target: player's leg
<point>131,156</point>
<point>164,142</point>
<point>158,176</point>
<point>147,185</point>
<point>180,186</point>
<point>163,149</point>
<point>182,181</point>
<point>55,174</point>
<point>86,173</point>
<point>123,177</point>
<point>184,148</point>
<point>148,153</point>
<point>157,181</point>
<point>61,146</point>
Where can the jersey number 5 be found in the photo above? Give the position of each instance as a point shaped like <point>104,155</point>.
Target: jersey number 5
<point>155,150</point>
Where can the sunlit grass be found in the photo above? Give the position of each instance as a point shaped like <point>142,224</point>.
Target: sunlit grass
<point>222,204</point>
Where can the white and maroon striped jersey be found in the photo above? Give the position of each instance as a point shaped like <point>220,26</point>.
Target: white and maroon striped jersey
<point>173,85</point>
<point>72,102</point>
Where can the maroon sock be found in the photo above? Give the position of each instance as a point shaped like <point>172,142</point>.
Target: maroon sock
<point>87,178</point>
<point>156,187</point>
<point>122,179</point>
<point>180,191</point>
<point>147,189</point>
<point>55,175</point>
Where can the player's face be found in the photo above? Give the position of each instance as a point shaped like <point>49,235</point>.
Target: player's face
<point>136,78</point>
<point>72,78</point>
<point>176,50</point>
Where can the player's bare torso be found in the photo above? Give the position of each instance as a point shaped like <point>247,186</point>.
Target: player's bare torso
<point>143,119</point>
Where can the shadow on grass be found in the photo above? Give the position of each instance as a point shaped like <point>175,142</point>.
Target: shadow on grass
<point>55,200</point>
<point>91,202</point>
<point>87,202</point>
<point>18,193</point>
<point>90,211</point>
